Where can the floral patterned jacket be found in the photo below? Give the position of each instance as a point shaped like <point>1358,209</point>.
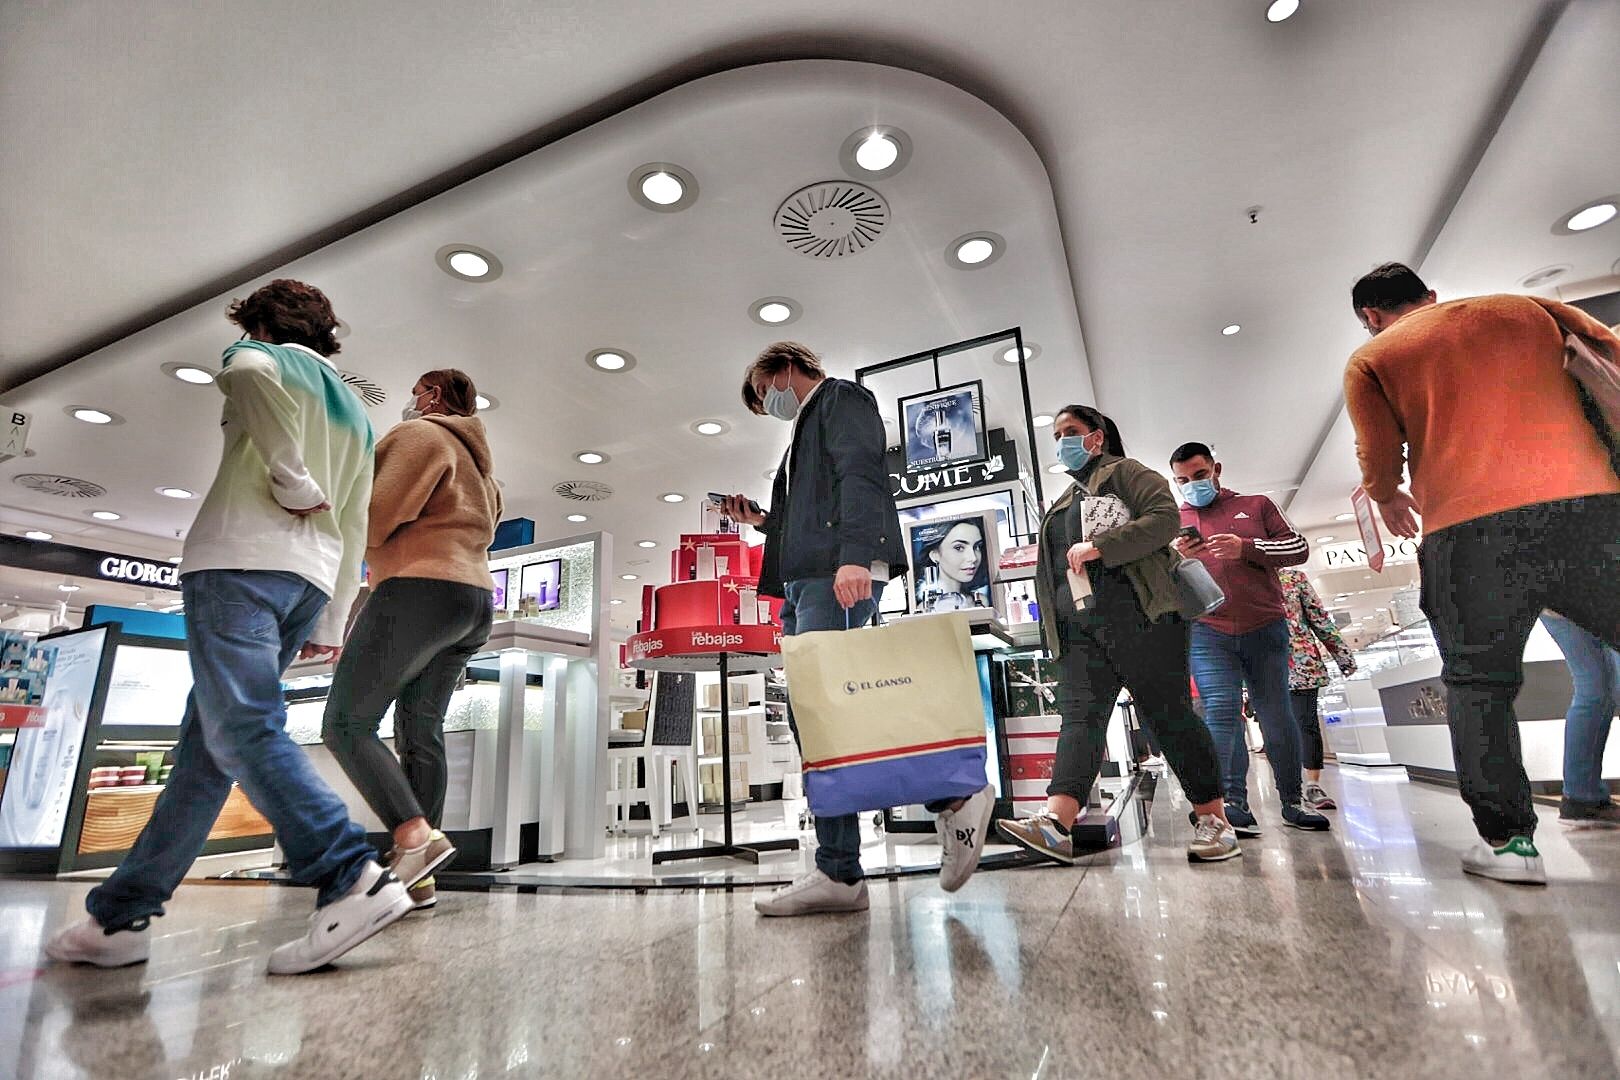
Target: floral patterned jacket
<point>1310,628</point>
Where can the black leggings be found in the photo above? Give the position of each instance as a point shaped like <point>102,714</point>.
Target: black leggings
<point>408,648</point>
<point>1151,660</point>
<point>1310,729</point>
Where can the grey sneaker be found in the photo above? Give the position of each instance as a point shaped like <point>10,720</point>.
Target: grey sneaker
<point>1581,815</point>
<point>1041,835</point>
<point>411,865</point>
<point>1517,861</point>
<point>1304,817</point>
<point>1213,841</point>
<point>814,894</point>
<point>961,838</point>
<point>1317,798</point>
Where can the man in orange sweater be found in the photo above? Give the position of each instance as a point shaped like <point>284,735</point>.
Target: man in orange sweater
<point>1520,505</point>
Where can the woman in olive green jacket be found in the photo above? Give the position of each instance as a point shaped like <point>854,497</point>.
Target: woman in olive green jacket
<point>1112,528</point>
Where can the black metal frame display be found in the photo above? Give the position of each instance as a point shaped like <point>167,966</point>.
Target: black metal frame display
<point>728,846</point>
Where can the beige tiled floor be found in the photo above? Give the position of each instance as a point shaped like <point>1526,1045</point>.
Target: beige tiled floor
<point>1356,954</point>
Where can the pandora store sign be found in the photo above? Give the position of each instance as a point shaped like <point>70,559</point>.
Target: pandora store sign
<point>1348,556</point>
<point>87,563</point>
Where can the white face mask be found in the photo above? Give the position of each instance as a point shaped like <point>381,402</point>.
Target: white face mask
<point>782,404</point>
<point>411,412</point>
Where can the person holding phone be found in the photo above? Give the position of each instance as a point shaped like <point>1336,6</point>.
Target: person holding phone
<point>1243,540</point>
<point>1129,635</point>
<point>832,542</point>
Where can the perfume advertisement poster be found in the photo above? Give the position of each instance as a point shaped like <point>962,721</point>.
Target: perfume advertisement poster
<point>952,562</point>
<point>944,427</point>
<point>45,760</point>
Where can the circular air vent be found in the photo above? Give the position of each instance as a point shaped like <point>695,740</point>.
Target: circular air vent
<point>583,490</point>
<point>832,219</point>
<point>63,487</point>
<point>369,392</point>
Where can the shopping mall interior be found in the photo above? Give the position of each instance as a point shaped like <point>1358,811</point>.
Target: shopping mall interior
<point>981,213</point>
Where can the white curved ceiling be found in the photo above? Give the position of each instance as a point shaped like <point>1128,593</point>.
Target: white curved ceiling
<point>205,140</point>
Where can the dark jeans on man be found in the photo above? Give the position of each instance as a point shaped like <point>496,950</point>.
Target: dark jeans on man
<point>1307,713</point>
<point>243,628</point>
<point>409,648</point>
<point>1222,664</point>
<point>1485,582</point>
<point>1150,658</point>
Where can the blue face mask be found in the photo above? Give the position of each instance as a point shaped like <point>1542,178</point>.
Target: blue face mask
<point>1200,493</point>
<point>782,404</point>
<point>1072,452</point>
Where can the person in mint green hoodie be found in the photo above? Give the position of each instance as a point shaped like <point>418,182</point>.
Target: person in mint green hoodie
<point>270,570</point>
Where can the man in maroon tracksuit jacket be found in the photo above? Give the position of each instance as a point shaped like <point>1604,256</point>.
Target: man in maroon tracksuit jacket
<point>1243,540</point>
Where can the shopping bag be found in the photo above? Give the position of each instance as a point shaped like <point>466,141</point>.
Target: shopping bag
<point>887,715</point>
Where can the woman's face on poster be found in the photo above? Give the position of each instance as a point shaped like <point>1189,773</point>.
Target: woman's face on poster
<point>960,553</point>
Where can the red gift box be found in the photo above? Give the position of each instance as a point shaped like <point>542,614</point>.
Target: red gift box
<point>687,603</point>
<point>683,560</point>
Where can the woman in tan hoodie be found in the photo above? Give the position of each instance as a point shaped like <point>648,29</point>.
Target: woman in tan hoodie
<point>434,508</point>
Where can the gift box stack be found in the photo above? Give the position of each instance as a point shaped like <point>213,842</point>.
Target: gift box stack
<point>1032,727</point>
<point>25,668</point>
<point>714,581</point>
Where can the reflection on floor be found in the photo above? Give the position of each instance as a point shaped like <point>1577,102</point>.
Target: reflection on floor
<point>1360,953</point>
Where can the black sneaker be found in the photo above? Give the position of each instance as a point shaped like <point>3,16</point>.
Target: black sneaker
<point>1303,816</point>
<point>1584,815</point>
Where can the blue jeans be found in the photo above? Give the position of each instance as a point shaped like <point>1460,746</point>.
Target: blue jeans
<point>1595,668</point>
<point>242,630</point>
<point>809,605</point>
<point>1221,665</point>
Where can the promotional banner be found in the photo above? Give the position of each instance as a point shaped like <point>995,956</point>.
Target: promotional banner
<point>45,760</point>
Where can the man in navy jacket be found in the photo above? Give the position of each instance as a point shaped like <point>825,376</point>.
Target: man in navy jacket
<point>832,541</point>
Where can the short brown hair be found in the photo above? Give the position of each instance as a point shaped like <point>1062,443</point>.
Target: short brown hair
<point>289,311</point>
<point>774,360</point>
<point>455,389</point>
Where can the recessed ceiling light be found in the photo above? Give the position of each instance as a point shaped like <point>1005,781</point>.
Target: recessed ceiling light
<point>1043,419</point>
<point>711,427</point>
<point>1326,539</point>
<point>628,577</point>
<point>68,587</point>
<point>36,534</point>
<point>775,311</point>
<point>175,560</point>
<point>770,474</point>
<point>672,497</point>
<point>484,403</point>
<point>99,417</point>
<point>176,493</point>
<point>1229,329</point>
<point>591,457</point>
<point>1591,216</point>
<point>578,519</point>
<point>468,262</point>
<point>1281,9</point>
<point>106,515</point>
<point>875,152</point>
<point>1344,517</point>
<point>1055,469</point>
<point>189,373</point>
<point>660,186</point>
<point>647,544</point>
<point>615,602</point>
<point>610,360</point>
<point>1010,356</point>
<point>975,250</point>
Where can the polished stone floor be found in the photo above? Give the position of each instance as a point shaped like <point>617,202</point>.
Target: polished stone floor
<point>1358,954</point>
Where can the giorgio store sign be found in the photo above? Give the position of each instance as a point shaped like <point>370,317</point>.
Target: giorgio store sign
<point>87,563</point>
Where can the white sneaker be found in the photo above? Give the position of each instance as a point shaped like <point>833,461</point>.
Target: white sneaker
<point>814,894</point>
<point>376,900</point>
<point>1152,761</point>
<point>1517,861</point>
<point>961,838</point>
<point>87,943</point>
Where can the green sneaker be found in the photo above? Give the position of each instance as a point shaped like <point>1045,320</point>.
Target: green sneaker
<point>1517,861</point>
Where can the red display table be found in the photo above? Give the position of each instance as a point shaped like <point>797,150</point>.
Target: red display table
<point>724,649</point>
